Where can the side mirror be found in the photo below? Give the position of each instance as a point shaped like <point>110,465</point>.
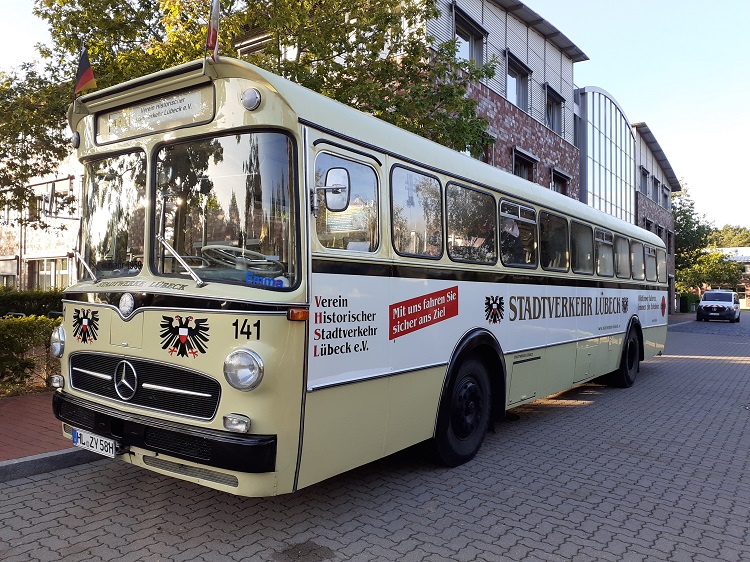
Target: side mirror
<point>337,189</point>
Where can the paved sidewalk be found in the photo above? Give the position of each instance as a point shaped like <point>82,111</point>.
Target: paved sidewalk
<point>29,427</point>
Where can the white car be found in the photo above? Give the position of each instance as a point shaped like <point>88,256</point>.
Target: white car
<point>719,305</point>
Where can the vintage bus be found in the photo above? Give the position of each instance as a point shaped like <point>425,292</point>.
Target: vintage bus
<point>275,288</point>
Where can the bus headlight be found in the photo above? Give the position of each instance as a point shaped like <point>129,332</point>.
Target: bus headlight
<point>57,342</point>
<point>243,369</point>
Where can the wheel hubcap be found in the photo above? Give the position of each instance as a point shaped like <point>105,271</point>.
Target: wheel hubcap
<point>467,408</point>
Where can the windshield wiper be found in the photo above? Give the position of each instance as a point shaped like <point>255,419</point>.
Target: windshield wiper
<point>79,257</point>
<point>198,281</point>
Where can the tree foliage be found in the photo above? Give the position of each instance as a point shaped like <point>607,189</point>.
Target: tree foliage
<point>372,55</point>
<point>32,131</point>
<point>691,230</point>
<point>712,269</point>
<point>730,236</point>
<point>376,56</point>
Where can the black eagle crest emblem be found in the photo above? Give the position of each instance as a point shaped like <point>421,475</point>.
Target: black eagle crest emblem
<point>494,309</point>
<point>182,338</point>
<point>85,325</point>
<point>625,304</point>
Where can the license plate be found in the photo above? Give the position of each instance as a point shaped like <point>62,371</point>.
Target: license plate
<point>95,443</point>
<point>713,313</point>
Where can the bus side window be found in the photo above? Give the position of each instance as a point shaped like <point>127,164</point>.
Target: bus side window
<point>553,241</point>
<point>636,259</point>
<point>604,253</point>
<point>622,257</point>
<point>661,265</point>
<point>518,243</point>
<point>416,213</point>
<point>356,227</point>
<point>651,274</point>
<point>472,225</point>
<point>581,248</point>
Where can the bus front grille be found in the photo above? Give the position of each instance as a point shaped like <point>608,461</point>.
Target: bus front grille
<point>149,384</point>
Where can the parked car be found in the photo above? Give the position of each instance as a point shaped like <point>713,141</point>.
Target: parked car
<point>719,305</point>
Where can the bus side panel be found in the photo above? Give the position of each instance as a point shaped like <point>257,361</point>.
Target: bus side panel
<point>412,408</point>
<point>344,428</point>
<point>351,425</point>
<point>654,339</point>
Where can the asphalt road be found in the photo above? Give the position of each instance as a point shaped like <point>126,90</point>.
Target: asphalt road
<point>656,472</point>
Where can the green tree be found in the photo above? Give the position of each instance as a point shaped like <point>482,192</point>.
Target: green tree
<point>32,131</point>
<point>713,269</point>
<point>691,231</point>
<point>372,55</point>
<point>730,236</point>
<point>377,57</point>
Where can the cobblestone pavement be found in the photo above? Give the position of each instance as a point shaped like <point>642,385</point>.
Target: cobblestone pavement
<point>656,472</point>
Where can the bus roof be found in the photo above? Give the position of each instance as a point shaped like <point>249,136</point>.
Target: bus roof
<point>342,120</point>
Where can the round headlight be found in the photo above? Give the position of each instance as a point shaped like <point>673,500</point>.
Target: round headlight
<point>243,369</point>
<point>57,342</point>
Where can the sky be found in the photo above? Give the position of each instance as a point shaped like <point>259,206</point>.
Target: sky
<point>680,66</point>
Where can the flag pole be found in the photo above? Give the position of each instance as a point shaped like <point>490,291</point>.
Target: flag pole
<point>212,34</point>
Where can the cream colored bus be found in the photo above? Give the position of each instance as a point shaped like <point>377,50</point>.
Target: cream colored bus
<point>275,288</point>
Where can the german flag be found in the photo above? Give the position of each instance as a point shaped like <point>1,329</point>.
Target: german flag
<point>85,75</point>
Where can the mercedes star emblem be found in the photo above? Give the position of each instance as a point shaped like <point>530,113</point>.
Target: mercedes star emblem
<point>126,380</point>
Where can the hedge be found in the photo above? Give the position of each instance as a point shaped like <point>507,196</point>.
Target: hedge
<point>36,302</point>
<point>24,350</point>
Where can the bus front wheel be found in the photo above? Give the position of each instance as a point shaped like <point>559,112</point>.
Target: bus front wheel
<point>464,414</point>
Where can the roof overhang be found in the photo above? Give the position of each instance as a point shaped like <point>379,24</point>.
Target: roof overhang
<point>661,158</point>
<point>544,28</point>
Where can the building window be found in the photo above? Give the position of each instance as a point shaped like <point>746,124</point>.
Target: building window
<point>648,225</point>
<point>644,181</point>
<point>254,41</point>
<point>656,191</point>
<point>517,86</point>
<point>666,197</point>
<point>670,238</point>
<point>523,164</point>
<point>469,39</point>
<point>554,111</point>
<point>560,181</point>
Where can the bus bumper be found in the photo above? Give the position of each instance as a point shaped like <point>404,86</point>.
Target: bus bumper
<point>228,451</point>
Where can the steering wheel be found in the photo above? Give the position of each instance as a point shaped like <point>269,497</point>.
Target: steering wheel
<point>237,258</point>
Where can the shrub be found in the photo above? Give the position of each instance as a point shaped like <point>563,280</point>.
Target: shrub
<point>36,302</point>
<point>24,350</point>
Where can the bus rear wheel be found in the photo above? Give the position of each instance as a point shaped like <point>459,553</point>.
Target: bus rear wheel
<point>630,363</point>
<point>464,415</point>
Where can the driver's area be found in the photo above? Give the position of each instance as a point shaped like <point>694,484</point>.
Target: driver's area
<point>225,210</point>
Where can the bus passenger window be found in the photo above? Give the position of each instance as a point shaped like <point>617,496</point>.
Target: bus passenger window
<point>604,253</point>
<point>356,227</point>
<point>661,265</point>
<point>553,241</point>
<point>636,259</point>
<point>581,248</point>
<point>622,257</point>
<point>472,225</point>
<point>650,263</point>
<point>417,213</point>
<point>518,244</point>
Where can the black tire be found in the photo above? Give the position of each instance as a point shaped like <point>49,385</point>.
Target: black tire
<point>630,363</point>
<point>464,415</point>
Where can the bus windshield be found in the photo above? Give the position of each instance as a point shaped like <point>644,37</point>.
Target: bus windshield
<point>225,206</point>
<point>114,209</point>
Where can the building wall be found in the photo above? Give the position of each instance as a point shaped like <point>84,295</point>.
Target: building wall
<point>513,126</point>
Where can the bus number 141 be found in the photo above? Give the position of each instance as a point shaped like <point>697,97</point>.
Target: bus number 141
<point>247,330</point>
